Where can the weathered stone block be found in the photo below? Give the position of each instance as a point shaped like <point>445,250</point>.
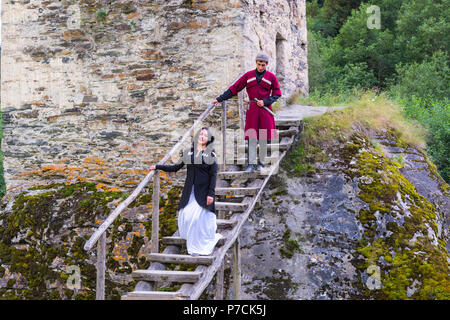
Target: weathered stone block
<point>82,83</point>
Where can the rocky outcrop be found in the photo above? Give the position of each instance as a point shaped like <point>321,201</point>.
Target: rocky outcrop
<point>360,218</point>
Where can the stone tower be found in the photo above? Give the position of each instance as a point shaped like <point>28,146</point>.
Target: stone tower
<point>102,89</point>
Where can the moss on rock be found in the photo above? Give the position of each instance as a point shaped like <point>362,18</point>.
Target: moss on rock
<point>400,226</point>
<point>46,230</point>
<point>412,267</point>
<point>290,245</point>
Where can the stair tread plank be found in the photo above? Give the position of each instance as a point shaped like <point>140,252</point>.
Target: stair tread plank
<point>287,122</point>
<point>166,272</point>
<point>180,241</point>
<point>268,159</point>
<point>225,223</point>
<point>152,295</point>
<point>166,275</point>
<point>180,258</point>
<point>238,174</point>
<point>280,146</point>
<point>233,206</point>
<point>237,190</point>
<point>288,132</point>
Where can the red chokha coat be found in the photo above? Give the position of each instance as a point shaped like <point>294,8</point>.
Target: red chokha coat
<point>259,123</point>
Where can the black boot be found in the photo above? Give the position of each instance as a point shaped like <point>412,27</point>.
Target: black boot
<point>250,168</point>
<point>259,166</point>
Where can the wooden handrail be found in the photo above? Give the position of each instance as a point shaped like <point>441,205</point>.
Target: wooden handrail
<point>124,204</point>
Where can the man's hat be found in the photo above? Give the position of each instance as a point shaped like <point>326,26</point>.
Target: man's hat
<point>262,57</point>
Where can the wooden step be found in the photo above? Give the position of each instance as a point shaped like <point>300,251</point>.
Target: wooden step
<point>232,206</point>
<point>268,159</point>
<point>166,275</point>
<point>287,122</point>
<point>152,295</point>
<point>173,241</point>
<point>180,258</point>
<point>178,241</point>
<point>236,191</point>
<point>224,223</point>
<point>238,175</point>
<point>288,132</point>
<point>270,146</point>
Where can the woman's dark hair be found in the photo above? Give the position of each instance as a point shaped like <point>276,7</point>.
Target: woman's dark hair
<point>209,148</point>
<point>210,137</point>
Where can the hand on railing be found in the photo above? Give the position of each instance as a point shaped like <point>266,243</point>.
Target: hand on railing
<point>152,168</point>
<point>215,102</point>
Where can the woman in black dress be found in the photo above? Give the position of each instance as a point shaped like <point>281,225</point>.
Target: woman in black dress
<point>196,215</point>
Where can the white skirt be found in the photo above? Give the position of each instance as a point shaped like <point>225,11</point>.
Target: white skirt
<point>198,226</point>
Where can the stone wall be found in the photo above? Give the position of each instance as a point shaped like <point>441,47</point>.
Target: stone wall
<point>279,29</point>
<point>100,90</point>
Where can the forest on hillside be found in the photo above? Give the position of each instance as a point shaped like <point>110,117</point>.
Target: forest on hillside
<point>399,47</point>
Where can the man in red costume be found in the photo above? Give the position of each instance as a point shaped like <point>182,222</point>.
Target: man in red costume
<point>263,86</point>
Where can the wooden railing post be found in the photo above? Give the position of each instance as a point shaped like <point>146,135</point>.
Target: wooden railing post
<point>155,214</point>
<point>219,281</point>
<point>101,257</point>
<point>237,269</point>
<point>224,135</point>
<point>220,273</point>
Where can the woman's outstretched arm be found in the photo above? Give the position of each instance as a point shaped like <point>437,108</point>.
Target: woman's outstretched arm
<point>168,167</point>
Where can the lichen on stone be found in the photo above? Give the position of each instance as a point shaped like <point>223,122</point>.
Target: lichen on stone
<point>391,194</point>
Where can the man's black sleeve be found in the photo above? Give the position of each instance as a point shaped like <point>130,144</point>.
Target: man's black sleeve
<point>270,100</point>
<point>225,96</point>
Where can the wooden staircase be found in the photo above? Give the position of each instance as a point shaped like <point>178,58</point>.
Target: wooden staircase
<point>235,202</point>
<point>236,195</point>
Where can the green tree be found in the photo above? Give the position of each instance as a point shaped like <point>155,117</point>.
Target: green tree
<point>389,10</point>
<point>430,78</point>
<point>423,89</point>
<point>423,27</point>
<point>360,45</point>
<point>331,16</point>
<point>317,22</point>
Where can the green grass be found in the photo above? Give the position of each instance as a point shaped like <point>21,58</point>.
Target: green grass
<point>365,108</point>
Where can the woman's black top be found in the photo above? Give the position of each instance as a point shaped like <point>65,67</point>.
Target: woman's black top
<point>201,172</point>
